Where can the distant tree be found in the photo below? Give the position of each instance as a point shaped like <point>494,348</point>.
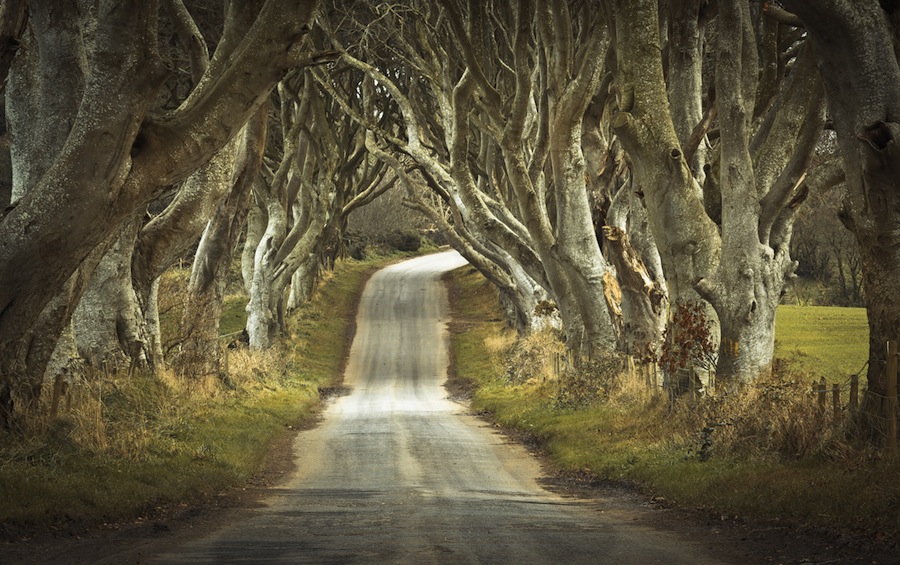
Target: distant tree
<point>826,250</point>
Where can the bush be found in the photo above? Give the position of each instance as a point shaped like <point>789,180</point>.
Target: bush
<point>534,356</point>
<point>777,417</point>
<point>405,240</point>
<point>593,380</point>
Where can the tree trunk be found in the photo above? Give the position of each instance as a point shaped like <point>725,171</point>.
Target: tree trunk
<point>256,227</point>
<point>262,310</point>
<point>576,241</point>
<point>854,46</point>
<point>40,116</point>
<point>106,170</point>
<point>201,351</point>
<point>686,237</point>
<point>685,77</point>
<point>303,283</point>
<point>110,328</point>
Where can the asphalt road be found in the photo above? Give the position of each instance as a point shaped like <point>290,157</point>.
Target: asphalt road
<point>397,473</point>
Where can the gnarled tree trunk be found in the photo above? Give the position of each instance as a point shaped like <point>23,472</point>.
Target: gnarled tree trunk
<point>116,158</point>
<point>854,42</point>
<point>200,353</point>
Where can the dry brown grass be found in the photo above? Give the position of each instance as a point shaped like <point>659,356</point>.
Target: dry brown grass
<point>532,358</point>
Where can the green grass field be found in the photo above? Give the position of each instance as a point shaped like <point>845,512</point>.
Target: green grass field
<point>825,340</point>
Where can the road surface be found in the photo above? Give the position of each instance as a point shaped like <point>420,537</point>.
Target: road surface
<point>397,473</point>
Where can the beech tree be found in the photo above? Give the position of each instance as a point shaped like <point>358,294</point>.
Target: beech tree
<point>200,352</point>
<point>726,241</point>
<point>855,44</point>
<point>520,295</point>
<point>489,100</point>
<point>115,156</point>
<point>321,172</point>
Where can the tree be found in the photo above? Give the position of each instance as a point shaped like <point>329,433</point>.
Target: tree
<point>855,44</point>
<point>321,173</point>
<point>200,351</point>
<point>727,241</point>
<point>497,132</point>
<point>116,156</point>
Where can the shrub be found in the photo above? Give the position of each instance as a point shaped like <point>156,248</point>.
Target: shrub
<point>591,381</point>
<point>535,357</point>
<point>405,240</point>
<point>776,417</point>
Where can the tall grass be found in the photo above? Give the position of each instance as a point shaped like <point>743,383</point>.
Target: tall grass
<point>125,444</point>
<point>767,453</point>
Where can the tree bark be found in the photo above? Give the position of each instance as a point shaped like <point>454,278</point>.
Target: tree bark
<point>110,329</point>
<point>644,299</point>
<point>854,47</point>
<point>115,160</point>
<point>200,353</point>
<point>686,236</point>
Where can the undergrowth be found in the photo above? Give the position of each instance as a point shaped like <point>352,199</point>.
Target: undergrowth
<point>767,452</point>
<point>125,443</point>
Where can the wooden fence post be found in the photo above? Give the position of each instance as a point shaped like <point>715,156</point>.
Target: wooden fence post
<point>854,393</point>
<point>891,394</point>
<point>836,401</point>
<point>821,388</point>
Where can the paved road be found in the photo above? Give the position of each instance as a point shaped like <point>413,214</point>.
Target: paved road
<point>396,473</point>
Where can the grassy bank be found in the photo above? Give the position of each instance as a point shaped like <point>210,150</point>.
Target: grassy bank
<point>127,444</point>
<point>769,456</point>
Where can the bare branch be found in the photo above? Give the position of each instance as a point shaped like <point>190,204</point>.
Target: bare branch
<point>781,15</point>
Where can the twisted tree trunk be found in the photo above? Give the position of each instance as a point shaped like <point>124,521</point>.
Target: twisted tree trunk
<point>116,158</point>
<point>854,44</point>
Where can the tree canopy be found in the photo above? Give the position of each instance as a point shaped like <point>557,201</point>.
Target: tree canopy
<point>604,164</point>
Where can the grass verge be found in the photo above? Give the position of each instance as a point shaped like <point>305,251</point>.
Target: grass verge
<point>128,445</point>
<point>757,458</point>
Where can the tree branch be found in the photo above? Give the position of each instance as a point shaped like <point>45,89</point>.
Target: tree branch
<point>13,16</point>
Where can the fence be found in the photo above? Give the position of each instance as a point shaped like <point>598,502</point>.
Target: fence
<point>885,422</point>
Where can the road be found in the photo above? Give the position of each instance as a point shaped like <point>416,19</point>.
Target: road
<point>397,473</point>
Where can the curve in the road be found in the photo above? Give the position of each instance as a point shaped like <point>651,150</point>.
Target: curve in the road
<point>397,473</point>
